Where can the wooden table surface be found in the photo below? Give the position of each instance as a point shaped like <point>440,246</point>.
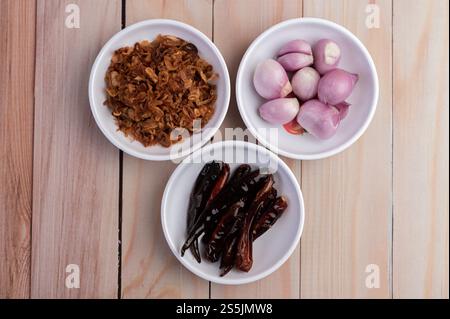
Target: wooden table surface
<point>68,196</point>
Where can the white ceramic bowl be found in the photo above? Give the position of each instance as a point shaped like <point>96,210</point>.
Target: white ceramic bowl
<point>148,30</point>
<point>354,58</point>
<point>272,249</point>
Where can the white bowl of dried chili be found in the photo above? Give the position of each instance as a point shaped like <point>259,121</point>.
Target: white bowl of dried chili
<point>108,123</point>
<point>270,250</point>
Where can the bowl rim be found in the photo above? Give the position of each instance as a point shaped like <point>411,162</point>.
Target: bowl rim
<point>334,150</point>
<point>207,134</point>
<point>251,278</point>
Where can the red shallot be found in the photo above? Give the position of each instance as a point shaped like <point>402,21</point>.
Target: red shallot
<point>326,55</point>
<point>305,83</point>
<point>335,86</point>
<point>279,111</point>
<point>270,80</point>
<point>319,119</point>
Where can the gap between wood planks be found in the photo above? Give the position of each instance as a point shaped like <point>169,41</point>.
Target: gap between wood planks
<point>391,264</point>
<point>212,139</point>
<point>119,242</point>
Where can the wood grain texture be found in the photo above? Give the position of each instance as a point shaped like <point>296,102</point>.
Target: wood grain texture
<point>149,269</point>
<point>421,149</point>
<point>76,169</point>
<point>384,201</point>
<point>17,50</point>
<point>236,25</point>
<point>349,196</point>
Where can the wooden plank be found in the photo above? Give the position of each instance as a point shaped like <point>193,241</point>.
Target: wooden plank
<point>421,149</point>
<point>149,269</point>
<point>236,25</point>
<point>76,170</point>
<point>348,197</point>
<point>17,49</point>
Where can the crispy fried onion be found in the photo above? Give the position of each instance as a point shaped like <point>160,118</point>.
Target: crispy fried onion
<point>155,87</point>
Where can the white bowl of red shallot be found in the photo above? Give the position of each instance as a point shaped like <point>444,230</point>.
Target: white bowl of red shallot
<point>307,88</point>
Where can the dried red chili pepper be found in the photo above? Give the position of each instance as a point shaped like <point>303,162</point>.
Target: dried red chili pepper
<point>228,255</point>
<point>267,204</point>
<point>244,253</point>
<point>220,183</point>
<point>236,188</point>
<point>229,250</point>
<point>268,218</point>
<point>218,235</point>
<point>238,175</point>
<point>203,187</point>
